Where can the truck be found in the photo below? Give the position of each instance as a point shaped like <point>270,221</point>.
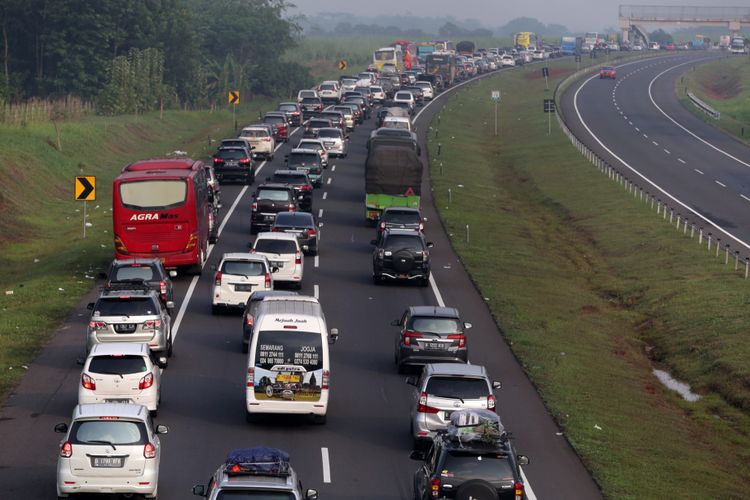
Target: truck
<point>724,42</point>
<point>465,48</point>
<point>738,45</point>
<point>393,178</point>
<point>423,49</point>
<point>443,64</point>
<point>568,45</point>
<point>525,39</point>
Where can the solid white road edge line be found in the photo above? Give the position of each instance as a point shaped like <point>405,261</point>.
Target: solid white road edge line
<point>326,465</point>
<point>316,291</point>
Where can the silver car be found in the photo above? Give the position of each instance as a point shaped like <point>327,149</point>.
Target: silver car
<point>335,141</point>
<point>444,388</point>
<point>109,448</point>
<point>130,316</point>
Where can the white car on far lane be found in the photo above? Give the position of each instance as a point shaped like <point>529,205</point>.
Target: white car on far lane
<point>283,251</point>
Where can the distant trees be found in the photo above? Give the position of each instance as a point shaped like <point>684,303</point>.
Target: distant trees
<point>132,55</point>
<point>451,30</point>
<point>661,37</point>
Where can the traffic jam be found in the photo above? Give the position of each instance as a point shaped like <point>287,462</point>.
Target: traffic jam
<point>166,220</point>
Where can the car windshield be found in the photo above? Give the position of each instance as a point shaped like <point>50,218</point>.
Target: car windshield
<point>125,306</point>
<point>272,195</point>
<point>402,217</point>
<point>245,494</point>
<point>331,134</point>
<point>435,325</point>
<point>398,242</point>
<point>243,268</point>
<point>457,387</point>
<point>117,364</point>
<point>231,154</point>
<point>268,245</point>
<point>117,432</point>
<point>135,273</point>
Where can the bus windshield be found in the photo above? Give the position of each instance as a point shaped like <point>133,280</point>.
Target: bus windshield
<point>153,194</point>
<point>385,55</point>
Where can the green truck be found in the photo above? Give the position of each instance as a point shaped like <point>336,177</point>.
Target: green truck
<point>393,178</point>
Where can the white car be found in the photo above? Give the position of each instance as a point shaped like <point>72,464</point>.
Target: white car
<point>330,91</point>
<point>307,93</point>
<point>427,91</point>
<point>262,141</point>
<point>404,96</point>
<point>397,122</point>
<point>349,84</point>
<point>336,143</point>
<point>283,251</point>
<point>538,54</point>
<point>378,94</point>
<point>122,373</point>
<point>317,145</point>
<point>508,60</point>
<point>109,448</point>
<point>238,275</point>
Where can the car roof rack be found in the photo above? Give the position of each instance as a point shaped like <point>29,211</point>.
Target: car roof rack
<point>258,461</point>
<point>137,284</point>
<point>476,428</point>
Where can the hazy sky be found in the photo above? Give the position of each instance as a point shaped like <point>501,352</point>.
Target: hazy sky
<point>578,15</point>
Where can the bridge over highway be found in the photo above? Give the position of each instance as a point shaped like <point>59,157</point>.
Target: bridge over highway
<point>633,17</point>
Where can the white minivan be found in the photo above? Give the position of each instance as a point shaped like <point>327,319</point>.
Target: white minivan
<point>288,367</point>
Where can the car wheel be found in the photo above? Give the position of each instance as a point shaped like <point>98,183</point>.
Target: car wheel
<point>250,180</point>
<point>170,350</point>
<point>377,280</point>
<point>424,282</point>
<point>319,419</point>
<point>244,348</point>
<point>297,285</point>
<point>270,157</point>
<point>154,414</point>
<point>214,309</point>
<point>250,418</point>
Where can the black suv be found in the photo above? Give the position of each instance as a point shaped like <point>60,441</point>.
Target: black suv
<point>401,254</point>
<point>235,164</point>
<point>125,273</point>
<point>301,183</point>
<point>470,462</point>
<point>268,200</point>
<point>430,334</point>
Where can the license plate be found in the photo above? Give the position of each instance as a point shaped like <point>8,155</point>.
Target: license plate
<point>232,164</point>
<point>277,264</point>
<point>330,144</point>
<point>124,327</point>
<point>403,276</point>
<point>269,217</point>
<point>283,378</point>
<point>438,346</point>
<point>107,462</point>
<point>117,400</point>
<point>243,288</point>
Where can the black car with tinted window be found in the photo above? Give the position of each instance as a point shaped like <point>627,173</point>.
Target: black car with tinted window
<point>430,334</point>
<point>400,218</point>
<point>401,255</point>
<point>268,200</point>
<point>301,183</point>
<point>234,164</point>
<point>293,112</point>
<point>302,225</point>
<point>123,274</point>
<point>308,161</point>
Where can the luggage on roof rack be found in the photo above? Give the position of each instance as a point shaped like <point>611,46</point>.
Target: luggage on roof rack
<point>476,426</point>
<point>258,461</point>
<point>134,284</point>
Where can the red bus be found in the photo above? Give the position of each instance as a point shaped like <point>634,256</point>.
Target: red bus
<point>161,208</point>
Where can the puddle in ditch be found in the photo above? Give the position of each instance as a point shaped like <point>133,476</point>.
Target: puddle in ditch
<point>680,387</point>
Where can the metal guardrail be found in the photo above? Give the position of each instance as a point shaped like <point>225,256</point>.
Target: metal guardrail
<point>690,224</point>
<point>716,115</point>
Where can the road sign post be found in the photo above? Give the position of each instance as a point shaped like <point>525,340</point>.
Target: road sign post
<point>495,97</point>
<point>342,65</point>
<point>84,188</point>
<point>233,98</point>
<point>545,74</point>
<point>549,107</point>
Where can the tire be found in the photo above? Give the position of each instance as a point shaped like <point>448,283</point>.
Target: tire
<point>320,419</point>
<point>250,180</point>
<point>170,346</point>
<point>424,282</point>
<point>154,414</point>
<point>245,348</point>
<point>376,280</point>
<point>476,489</point>
<point>214,310</point>
<point>250,418</point>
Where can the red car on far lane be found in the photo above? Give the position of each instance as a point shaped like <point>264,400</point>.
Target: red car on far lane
<point>608,72</point>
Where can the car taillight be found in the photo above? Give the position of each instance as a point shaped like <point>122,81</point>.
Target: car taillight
<point>249,320</point>
<point>491,402</point>
<point>250,377</point>
<point>217,279</point>
<point>421,226</point>
<point>146,382</point>
<point>152,324</point>
<point>408,335</point>
<point>311,232</point>
<point>66,450</point>
<point>88,383</point>
<point>381,226</point>
<point>276,230</point>
<point>292,207</point>
<point>244,160</point>
<point>435,487</point>
<point>298,258</point>
<point>119,245</point>
<point>422,407</point>
<point>460,337</point>
<point>163,289</point>
<point>218,160</point>
<point>267,281</point>
<point>149,451</point>
<point>267,139</point>
<point>192,242</point>
<point>306,188</point>
<point>326,379</point>
<point>97,325</point>
<point>518,487</point>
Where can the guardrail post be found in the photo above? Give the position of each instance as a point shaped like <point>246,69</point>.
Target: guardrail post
<point>747,266</point>
<point>726,254</point>
<point>736,260</point>
<point>678,221</point>
<point>718,244</point>
<point>700,236</point>
<point>709,242</point>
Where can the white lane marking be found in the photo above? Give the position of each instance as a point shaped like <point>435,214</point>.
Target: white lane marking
<point>333,168</point>
<point>655,143</point>
<point>637,129</point>
<point>320,213</point>
<point>325,195</point>
<point>328,181</point>
<point>639,174</point>
<point>644,135</point>
<point>326,465</point>
<point>316,261</point>
<point>194,281</point>
<point>698,171</point>
<point>436,291</point>
<point>630,122</point>
<point>720,183</point>
<point>681,160</point>
<point>316,291</point>
<point>667,151</point>
<point>529,492</point>
<point>625,117</point>
<point>745,197</point>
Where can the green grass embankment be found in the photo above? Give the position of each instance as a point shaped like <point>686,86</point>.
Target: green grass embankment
<point>45,264</point>
<point>593,291</point>
<point>725,86</point>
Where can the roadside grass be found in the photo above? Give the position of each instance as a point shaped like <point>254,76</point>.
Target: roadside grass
<point>592,291</point>
<point>45,264</point>
<point>724,86</point>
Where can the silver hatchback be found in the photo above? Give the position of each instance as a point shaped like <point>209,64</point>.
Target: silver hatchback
<point>444,388</point>
<point>335,141</point>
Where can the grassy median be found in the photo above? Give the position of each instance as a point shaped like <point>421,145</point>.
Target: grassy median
<point>593,291</point>
<point>45,263</point>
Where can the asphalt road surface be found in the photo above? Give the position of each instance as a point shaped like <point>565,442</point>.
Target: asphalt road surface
<point>637,124</point>
<point>363,450</point>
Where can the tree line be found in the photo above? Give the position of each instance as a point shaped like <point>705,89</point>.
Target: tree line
<point>138,55</point>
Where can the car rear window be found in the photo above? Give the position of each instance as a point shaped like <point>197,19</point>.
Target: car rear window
<point>304,159</point>
<point>117,365</point>
<point>231,154</point>
<point>398,242</point>
<point>294,219</point>
<point>118,306</point>
<point>435,325</point>
<point>310,145</point>
<point>327,87</point>
<point>287,107</point>
<point>272,195</point>
<point>491,467</point>
<point>289,179</point>
<point>310,100</point>
<point>255,133</point>
<point>275,246</point>
<point>320,123</point>
<point>289,347</point>
<point>135,273</point>
<point>243,268</point>
<point>153,195</point>
<point>457,387</point>
<point>244,494</point>
<point>117,432</point>
<point>402,217</point>
<point>331,134</point>
<point>274,119</point>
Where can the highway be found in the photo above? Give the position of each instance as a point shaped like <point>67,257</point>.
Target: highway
<point>363,450</point>
<point>637,124</point>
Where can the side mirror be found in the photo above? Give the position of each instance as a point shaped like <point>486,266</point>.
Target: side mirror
<point>162,429</point>
<point>333,336</point>
<point>430,244</point>
<point>173,273</point>
<point>274,269</point>
<point>522,460</point>
<point>411,380</point>
<point>162,362</point>
<point>311,495</point>
<point>372,242</point>
<point>417,455</point>
<point>90,306</point>
<point>170,304</point>
<point>497,385</point>
<point>61,428</point>
<point>467,325</point>
<point>199,490</point>
<point>396,322</point>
